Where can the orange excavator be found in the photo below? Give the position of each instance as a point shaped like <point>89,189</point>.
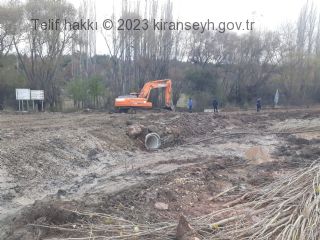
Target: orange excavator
<point>140,100</point>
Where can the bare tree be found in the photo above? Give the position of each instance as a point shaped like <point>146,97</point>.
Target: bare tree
<point>10,22</point>
<point>138,56</point>
<point>41,54</point>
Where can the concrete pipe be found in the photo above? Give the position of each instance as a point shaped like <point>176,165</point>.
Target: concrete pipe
<point>152,141</point>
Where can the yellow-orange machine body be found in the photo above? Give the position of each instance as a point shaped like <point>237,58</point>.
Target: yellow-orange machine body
<point>141,100</point>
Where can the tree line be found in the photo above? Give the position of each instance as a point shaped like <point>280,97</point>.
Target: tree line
<point>235,68</point>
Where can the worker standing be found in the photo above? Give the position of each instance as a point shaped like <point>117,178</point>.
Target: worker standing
<point>215,105</point>
<point>190,105</point>
<point>258,104</point>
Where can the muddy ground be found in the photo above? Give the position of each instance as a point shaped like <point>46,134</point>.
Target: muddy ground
<point>87,161</point>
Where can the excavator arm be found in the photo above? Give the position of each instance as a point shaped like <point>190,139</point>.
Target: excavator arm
<point>166,83</point>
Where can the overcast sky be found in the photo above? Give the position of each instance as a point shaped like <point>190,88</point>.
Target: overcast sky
<point>268,14</point>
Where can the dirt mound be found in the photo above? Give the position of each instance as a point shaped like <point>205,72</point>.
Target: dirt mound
<point>193,125</point>
<point>176,128</point>
<point>41,213</point>
<point>91,158</point>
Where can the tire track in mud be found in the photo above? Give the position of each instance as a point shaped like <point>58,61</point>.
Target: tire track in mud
<point>123,171</point>
<point>109,172</point>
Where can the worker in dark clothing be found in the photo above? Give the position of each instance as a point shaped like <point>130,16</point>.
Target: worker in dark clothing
<point>215,105</point>
<point>258,104</point>
<point>190,104</point>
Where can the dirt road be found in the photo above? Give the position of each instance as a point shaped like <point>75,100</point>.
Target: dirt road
<point>88,159</point>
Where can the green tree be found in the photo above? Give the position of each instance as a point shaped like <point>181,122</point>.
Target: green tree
<point>78,90</point>
<point>10,79</point>
<point>202,85</point>
<point>201,80</point>
<point>96,89</point>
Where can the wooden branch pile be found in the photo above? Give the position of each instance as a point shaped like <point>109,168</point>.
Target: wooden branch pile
<point>286,209</point>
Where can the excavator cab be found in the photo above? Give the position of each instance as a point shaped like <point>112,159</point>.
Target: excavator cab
<point>141,100</point>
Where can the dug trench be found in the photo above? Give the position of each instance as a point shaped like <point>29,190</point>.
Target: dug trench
<point>87,162</point>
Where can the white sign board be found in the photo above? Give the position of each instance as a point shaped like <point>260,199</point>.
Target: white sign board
<point>22,94</point>
<point>37,95</point>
